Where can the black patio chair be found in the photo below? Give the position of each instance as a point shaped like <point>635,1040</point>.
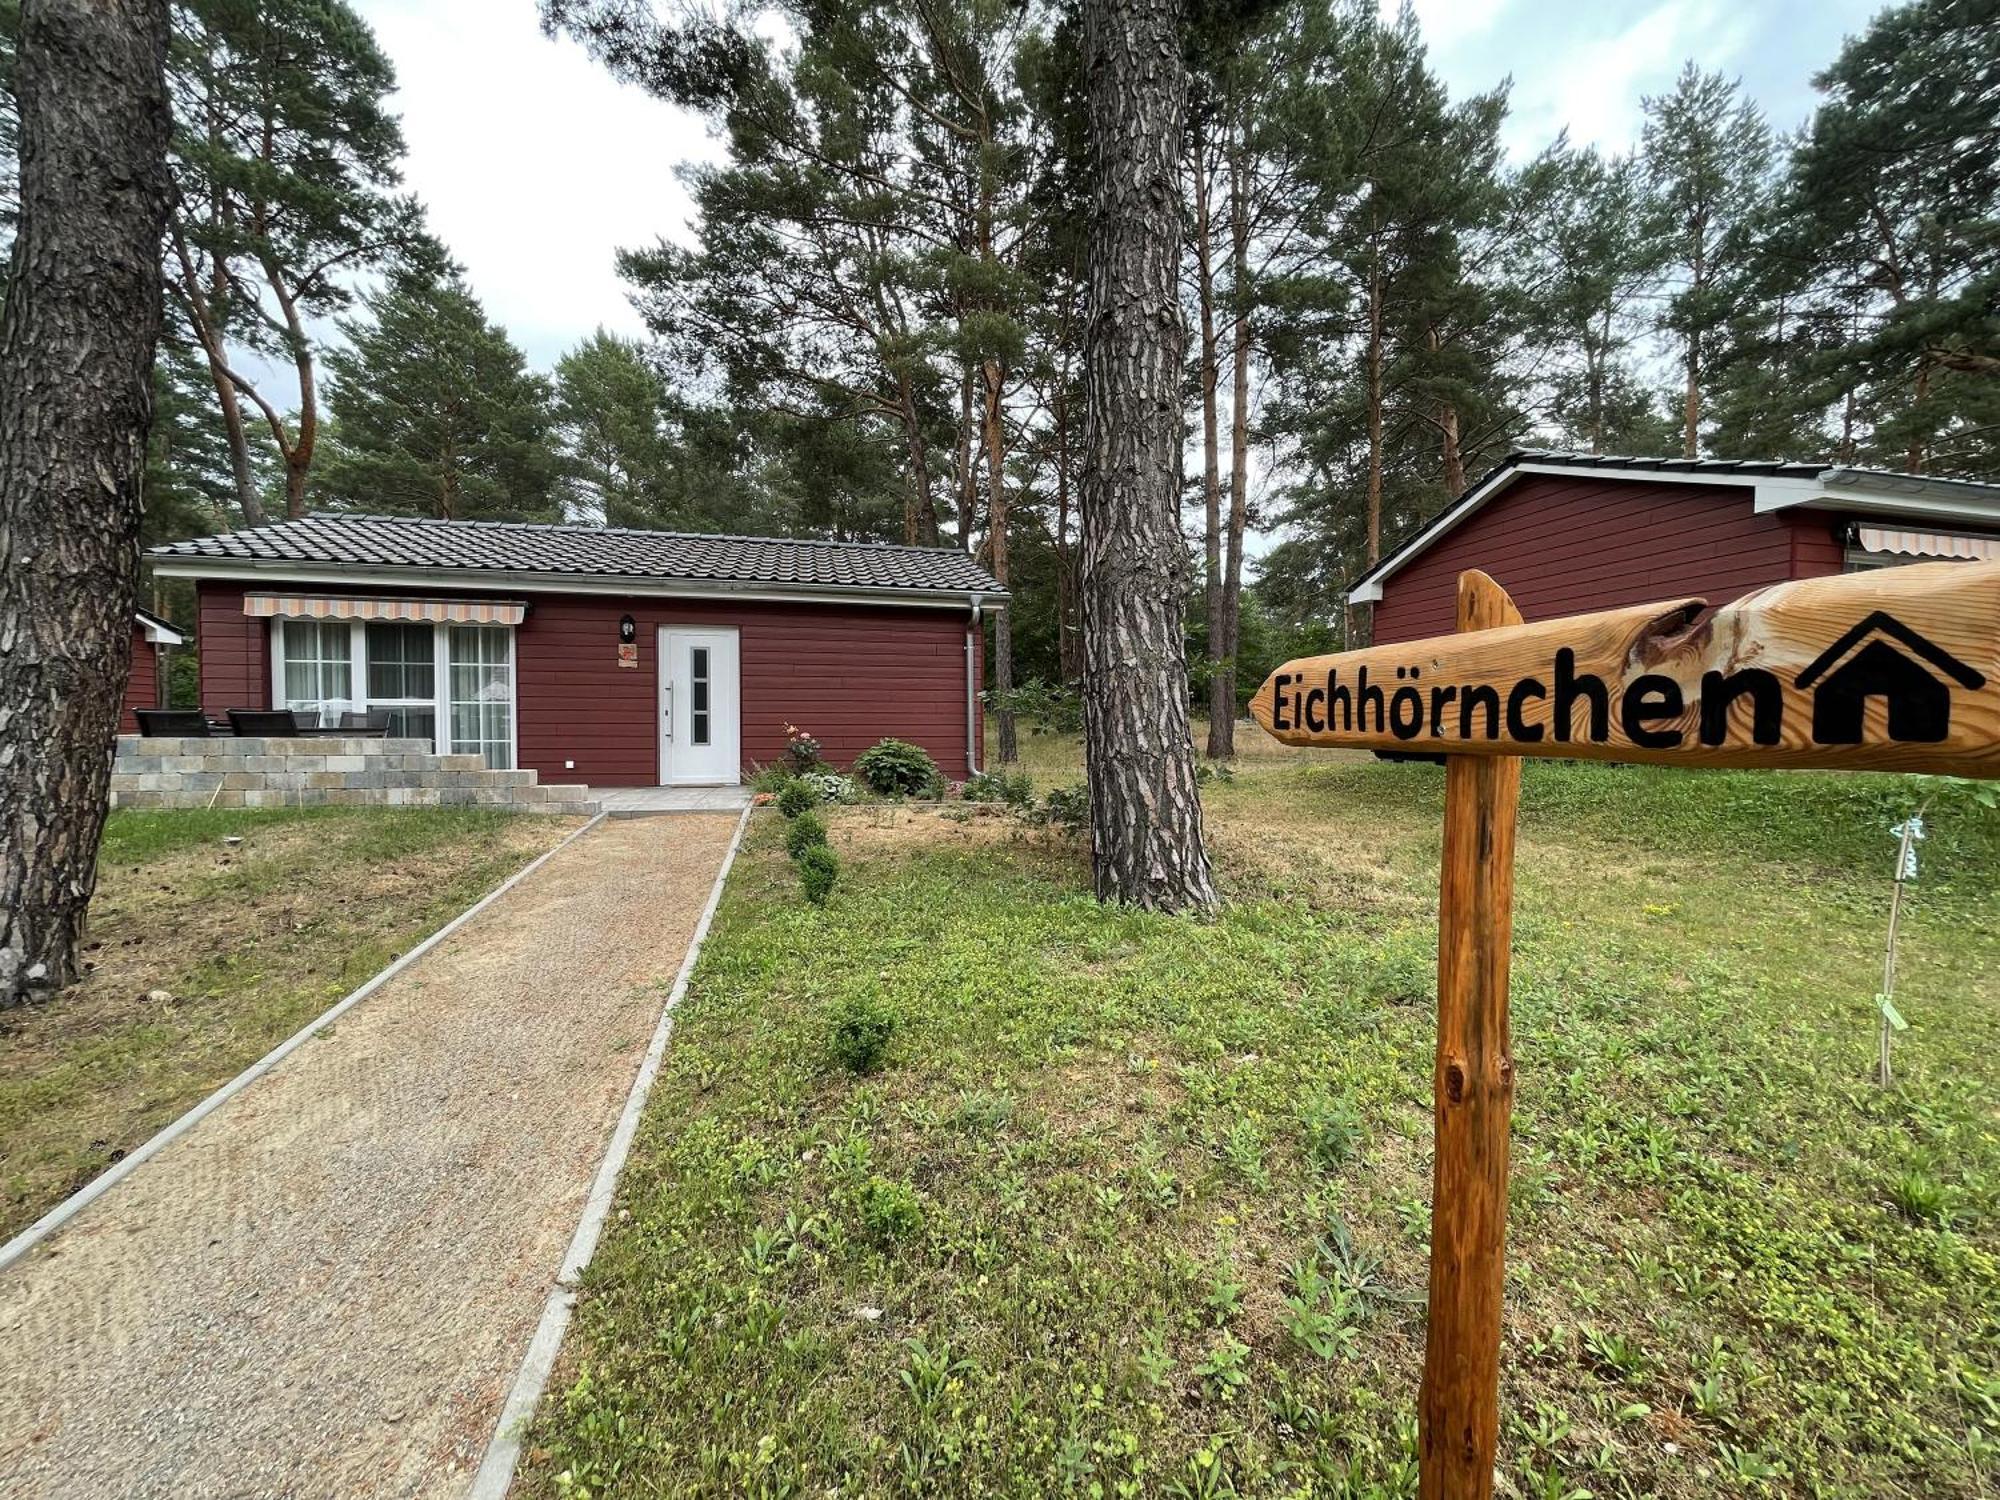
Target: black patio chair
<point>369,724</point>
<point>173,723</point>
<point>265,723</point>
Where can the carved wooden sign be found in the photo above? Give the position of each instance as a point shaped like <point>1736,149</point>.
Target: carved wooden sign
<point>1895,669</point>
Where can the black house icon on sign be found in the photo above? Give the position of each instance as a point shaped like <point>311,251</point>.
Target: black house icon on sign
<point>1843,679</point>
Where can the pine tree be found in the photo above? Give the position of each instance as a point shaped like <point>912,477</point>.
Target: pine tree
<point>285,165</point>
<point>610,418</point>
<point>1588,267</point>
<point>1887,230</point>
<point>1708,154</point>
<point>435,412</point>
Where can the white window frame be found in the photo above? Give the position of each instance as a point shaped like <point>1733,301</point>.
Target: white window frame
<point>357,686</point>
<point>441,643</point>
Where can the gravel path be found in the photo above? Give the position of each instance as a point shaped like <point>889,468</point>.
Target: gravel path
<point>325,1287</point>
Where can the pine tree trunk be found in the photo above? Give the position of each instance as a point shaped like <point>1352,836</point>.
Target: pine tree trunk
<point>1358,617</point>
<point>920,522</point>
<point>1913,457</point>
<point>1239,434</point>
<point>77,339</point>
<point>1454,453</point>
<point>968,486</point>
<point>248,500</point>
<point>996,501</point>
<point>1067,659</point>
<point>1211,456</point>
<point>1145,808</point>
<point>1690,438</point>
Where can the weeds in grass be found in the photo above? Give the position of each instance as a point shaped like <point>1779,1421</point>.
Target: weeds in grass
<point>1170,1181</point>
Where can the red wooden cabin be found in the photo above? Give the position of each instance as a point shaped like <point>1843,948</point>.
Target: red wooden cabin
<point>1568,533</point>
<point>594,654</point>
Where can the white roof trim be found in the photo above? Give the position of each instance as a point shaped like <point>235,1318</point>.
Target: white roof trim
<point>1769,492</point>
<point>1848,498</point>
<point>158,632</point>
<point>263,570</point>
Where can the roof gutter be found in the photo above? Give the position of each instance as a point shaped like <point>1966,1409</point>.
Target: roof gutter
<point>263,570</point>
<point>974,639</point>
<point>1908,496</point>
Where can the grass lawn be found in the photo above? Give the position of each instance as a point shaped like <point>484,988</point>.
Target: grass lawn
<point>1139,1206</point>
<point>247,942</point>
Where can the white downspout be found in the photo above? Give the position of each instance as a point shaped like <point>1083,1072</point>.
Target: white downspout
<point>972,642</point>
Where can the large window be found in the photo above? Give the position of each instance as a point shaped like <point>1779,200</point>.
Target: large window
<point>482,692</point>
<point>317,676</point>
<point>402,677</point>
<point>452,685</point>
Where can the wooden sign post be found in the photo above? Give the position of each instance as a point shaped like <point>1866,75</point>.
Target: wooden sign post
<point>1892,670</point>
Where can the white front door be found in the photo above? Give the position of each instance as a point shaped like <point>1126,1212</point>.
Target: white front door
<point>700,707</point>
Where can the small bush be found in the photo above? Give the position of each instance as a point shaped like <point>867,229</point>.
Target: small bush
<point>796,798</point>
<point>806,831</point>
<point>1068,808</point>
<point>861,1032</point>
<point>1014,790</point>
<point>896,768</point>
<point>890,1211</point>
<point>819,867</point>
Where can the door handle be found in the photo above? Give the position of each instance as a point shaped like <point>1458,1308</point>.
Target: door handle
<point>670,713</point>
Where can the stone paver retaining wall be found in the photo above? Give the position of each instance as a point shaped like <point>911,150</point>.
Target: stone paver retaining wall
<point>227,771</point>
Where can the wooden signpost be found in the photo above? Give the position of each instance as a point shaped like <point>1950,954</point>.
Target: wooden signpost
<point>1896,670</point>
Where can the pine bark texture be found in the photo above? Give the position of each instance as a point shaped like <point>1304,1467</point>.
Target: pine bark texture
<point>76,356</point>
<point>1211,459</point>
<point>1145,809</point>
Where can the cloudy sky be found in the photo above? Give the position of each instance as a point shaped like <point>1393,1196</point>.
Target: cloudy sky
<point>537,167</point>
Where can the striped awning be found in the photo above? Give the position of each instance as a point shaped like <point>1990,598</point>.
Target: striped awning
<point>440,611</point>
<point>1929,544</point>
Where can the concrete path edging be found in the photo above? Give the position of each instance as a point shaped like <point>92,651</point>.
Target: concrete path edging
<point>98,1186</point>
<point>496,1469</point>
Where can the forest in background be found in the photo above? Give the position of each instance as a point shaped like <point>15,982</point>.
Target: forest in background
<point>876,332</point>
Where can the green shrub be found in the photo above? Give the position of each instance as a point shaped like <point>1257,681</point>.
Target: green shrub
<point>890,1211</point>
<point>1068,808</point>
<point>772,779</point>
<point>896,768</point>
<point>1015,790</point>
<point>806,831</point>
<point>861,1032</point>
<point>819,867</point>
<point>797,798</point>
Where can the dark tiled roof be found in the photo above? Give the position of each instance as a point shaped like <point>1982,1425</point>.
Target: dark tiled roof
<point>475,547</point>
<point>1776,468</point>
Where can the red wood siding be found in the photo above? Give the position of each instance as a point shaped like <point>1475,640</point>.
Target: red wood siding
<point>1570,544</point>
<point>142,683</point>
<point>851,674</point>
<point>235,651</point>
<point>1817,546</point>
